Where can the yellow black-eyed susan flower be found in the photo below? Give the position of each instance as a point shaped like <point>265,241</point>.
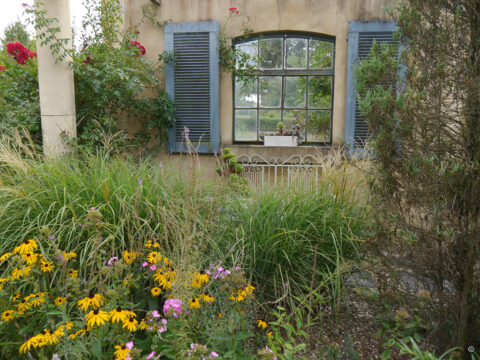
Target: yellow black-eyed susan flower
<point>121,352</point>
<point>30,258</point>
<point>31,342</point>
<point>69,255</point>
<point>129,256</point>
<point>26,246</point>
<point>118,315</point>
<point>194,303</point>
<point>160,278</point>
<point>38,300</point>
<point>81,332</point>
<point>207,299</point>
<point>156,291</point>
<point>7,315</point>
<point>262,324</point>
<point>16,296</point>
<point>46,266</point>
<point>16,274</point>
<point>199,280</point>
<point>60,300</point>
<point>23,306</point>
<point>131,324</point>
<point>49,337</point>
<point>95,300</point>
<point>154,257</point>
<point>143,325</point>
<point>130,313</point>
<point>5,256</point>
<point>150,244</point>
<point>73,273</point>
<point>97,317</point>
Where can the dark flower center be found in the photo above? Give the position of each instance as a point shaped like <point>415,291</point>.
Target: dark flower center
<point>26,241</point>
<point>118,309</point>
<point>95,312</point>
<point>131,320</point>
<point>123,347</point>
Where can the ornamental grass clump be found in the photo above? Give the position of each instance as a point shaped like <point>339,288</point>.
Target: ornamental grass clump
<point>293,242</point>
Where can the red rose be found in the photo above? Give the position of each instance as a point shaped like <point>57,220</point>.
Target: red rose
<point>2,68</point>
<point>234,10</point>
<point>140,47</point>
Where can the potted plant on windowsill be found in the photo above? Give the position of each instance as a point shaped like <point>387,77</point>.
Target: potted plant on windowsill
<point>283,138</point>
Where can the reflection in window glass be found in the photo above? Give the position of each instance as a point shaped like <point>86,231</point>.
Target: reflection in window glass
<point>321,54</point>
<point>271,91</point>
<point>246,93</point>
<point>295,89</point>
<point>271,53</point>
<point>246,125</point>
<point>318,125</point>
<point>269,120</point>
<point>320,91</point>
<point>247,53</point>
<point>296,53</point>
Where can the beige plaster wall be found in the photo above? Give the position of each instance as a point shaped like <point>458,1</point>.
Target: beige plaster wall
<point>328,17</point>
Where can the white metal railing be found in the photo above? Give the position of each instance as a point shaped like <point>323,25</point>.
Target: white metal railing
<point>297,171</point>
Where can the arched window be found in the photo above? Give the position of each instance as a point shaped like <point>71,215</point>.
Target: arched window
<point>294,86</point>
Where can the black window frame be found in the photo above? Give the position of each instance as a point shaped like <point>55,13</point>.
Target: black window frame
<point>284,72</point>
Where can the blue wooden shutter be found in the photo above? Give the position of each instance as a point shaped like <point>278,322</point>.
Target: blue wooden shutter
<point>360,39</point>
<point>192,81</point>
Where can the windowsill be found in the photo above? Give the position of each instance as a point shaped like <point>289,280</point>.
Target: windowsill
<point>281,153</point>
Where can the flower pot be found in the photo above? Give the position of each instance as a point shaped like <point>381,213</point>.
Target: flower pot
<point>280,140</point>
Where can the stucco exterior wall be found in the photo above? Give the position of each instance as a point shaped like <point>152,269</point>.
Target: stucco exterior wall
<point>327,17</point>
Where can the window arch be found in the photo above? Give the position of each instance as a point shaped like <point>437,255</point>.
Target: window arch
<point>294,86</point>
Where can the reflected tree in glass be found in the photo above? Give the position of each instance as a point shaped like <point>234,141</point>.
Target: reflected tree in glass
<point>321,54</point>
<point>270,91</point>
<point>320,91</point>
<point>318,125</point>
<point>270,51</point>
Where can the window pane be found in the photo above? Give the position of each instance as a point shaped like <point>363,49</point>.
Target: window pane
<point>296,53</point>
<point>321,55</point>
<point>246,93</point>
<point>295,91</point>
<point>320,91</point>
<point>269,120</point>
<point>292,118</point>
<point>247,54</point>
<point>318,126</point>
<point>270,91</point>
<point>271,53</point>
<point>246,125</point>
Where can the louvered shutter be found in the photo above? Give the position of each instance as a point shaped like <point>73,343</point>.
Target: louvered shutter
<point>192,81</point>
<point>360,39</point>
